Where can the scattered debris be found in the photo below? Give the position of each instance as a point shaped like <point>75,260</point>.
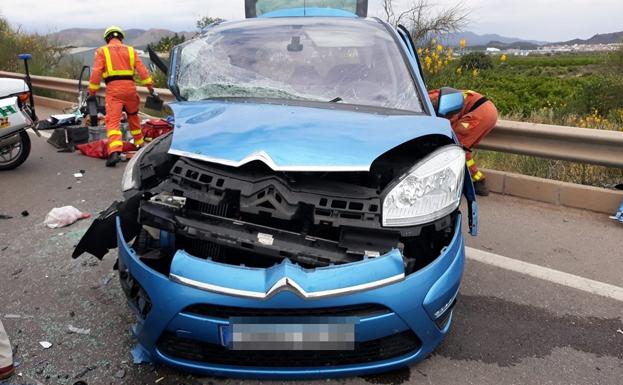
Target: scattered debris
<point>25,213</point>
<point>68,187</point>
<point>64,216</point>
<point>158,380</point>
<point>120,373</point>
<point>45,344</point>
<point>2,216</point>
<point>106,279</point>
<point>83,372</point>
<point>73,329</point>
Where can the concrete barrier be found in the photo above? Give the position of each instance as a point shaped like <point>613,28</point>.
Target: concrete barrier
<point>555,192</point>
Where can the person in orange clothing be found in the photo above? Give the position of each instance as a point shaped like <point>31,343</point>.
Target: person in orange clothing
<point>471,125</point>
<point>116,64</point>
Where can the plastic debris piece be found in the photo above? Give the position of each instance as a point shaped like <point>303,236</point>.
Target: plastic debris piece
<point>140,355</point>
<point>84,371</point>
<point>619,331</point>
<point>120,373</point>
<point>12,316</point>
<point>107,279</point>
<point>2,216</point>
<point>45,344</point>
<point>64,216</point>
<point>25,213</point>
<point>73,329</point>
<point>158,380</point>
<point>78,175</point>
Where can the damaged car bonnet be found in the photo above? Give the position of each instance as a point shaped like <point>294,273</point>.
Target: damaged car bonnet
<point>292,138</point>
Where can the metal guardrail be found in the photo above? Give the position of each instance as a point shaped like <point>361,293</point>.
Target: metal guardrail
<point>70,86</point>
<point>598,147</point>
<point>583,145</point>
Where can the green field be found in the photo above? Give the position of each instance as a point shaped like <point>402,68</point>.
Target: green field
<point>568,85</point>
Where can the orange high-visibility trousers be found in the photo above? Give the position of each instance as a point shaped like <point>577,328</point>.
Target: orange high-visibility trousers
<point>120,94</point>
<point>471,128</point>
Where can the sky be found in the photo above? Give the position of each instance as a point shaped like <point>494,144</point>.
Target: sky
<point>551,20</point>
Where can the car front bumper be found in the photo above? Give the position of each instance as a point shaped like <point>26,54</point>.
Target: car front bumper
<point>394,319</point>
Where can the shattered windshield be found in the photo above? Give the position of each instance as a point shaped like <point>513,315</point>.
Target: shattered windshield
<point>336,60</point>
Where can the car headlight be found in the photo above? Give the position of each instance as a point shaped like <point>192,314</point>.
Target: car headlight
<point>430,190</point>
<point>130,179</point>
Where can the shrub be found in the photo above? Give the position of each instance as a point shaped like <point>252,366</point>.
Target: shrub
<point>476,61</point>
<point>46,55</point>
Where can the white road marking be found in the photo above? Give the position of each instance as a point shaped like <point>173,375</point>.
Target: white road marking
<point>547,274</point>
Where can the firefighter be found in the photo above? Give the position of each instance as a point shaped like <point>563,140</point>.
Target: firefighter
<point>116,63</point>
<point>471,124</point>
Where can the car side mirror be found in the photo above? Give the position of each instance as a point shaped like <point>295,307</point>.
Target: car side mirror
<point>450,102</point>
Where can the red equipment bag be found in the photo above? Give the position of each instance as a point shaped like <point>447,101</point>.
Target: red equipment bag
<point>154,128</point>
<point>99,148</point>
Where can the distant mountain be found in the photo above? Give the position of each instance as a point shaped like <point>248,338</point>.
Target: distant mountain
<point>91,37</point>
<point>600,38</point>
<point>523,45</point>
<point>473,39</point>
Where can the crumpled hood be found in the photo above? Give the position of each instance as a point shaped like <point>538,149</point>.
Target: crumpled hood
<point>291,138</point>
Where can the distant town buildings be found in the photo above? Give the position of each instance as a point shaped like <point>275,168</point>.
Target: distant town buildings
<point>579,48</point>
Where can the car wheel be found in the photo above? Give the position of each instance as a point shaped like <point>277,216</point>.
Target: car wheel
<point>15,152</point>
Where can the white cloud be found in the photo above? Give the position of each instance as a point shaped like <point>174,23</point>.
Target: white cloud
<point>532,19</point>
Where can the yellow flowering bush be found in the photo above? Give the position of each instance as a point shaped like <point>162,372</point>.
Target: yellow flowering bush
<point>435,57</point>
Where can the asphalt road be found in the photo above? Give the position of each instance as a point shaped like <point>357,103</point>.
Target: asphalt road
<point>509,328</point>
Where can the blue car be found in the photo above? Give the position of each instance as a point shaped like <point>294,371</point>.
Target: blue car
<point>302,220</point>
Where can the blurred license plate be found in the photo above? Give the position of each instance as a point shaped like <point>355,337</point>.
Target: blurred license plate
<point>340,336</point>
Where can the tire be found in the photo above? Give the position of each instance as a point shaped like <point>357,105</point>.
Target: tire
<point>17,159</point>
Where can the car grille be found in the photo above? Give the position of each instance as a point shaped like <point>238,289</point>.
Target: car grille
<point>360,310</point>
<point>380,349</point>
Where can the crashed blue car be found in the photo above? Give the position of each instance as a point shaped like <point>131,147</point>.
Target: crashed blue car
<point>302,220</point>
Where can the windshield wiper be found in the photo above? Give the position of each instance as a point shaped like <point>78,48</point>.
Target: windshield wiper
<point>338,99</point>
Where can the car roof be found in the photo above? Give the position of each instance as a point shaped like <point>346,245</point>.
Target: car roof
<point>351,22</point>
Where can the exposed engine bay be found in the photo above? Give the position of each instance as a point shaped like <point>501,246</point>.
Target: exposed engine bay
<point>256,217</point>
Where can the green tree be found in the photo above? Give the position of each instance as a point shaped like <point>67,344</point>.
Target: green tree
<point>166,43</point>
<point>205,22</point>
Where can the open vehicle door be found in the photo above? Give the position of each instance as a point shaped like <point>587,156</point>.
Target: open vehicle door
<point>258,8</point>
